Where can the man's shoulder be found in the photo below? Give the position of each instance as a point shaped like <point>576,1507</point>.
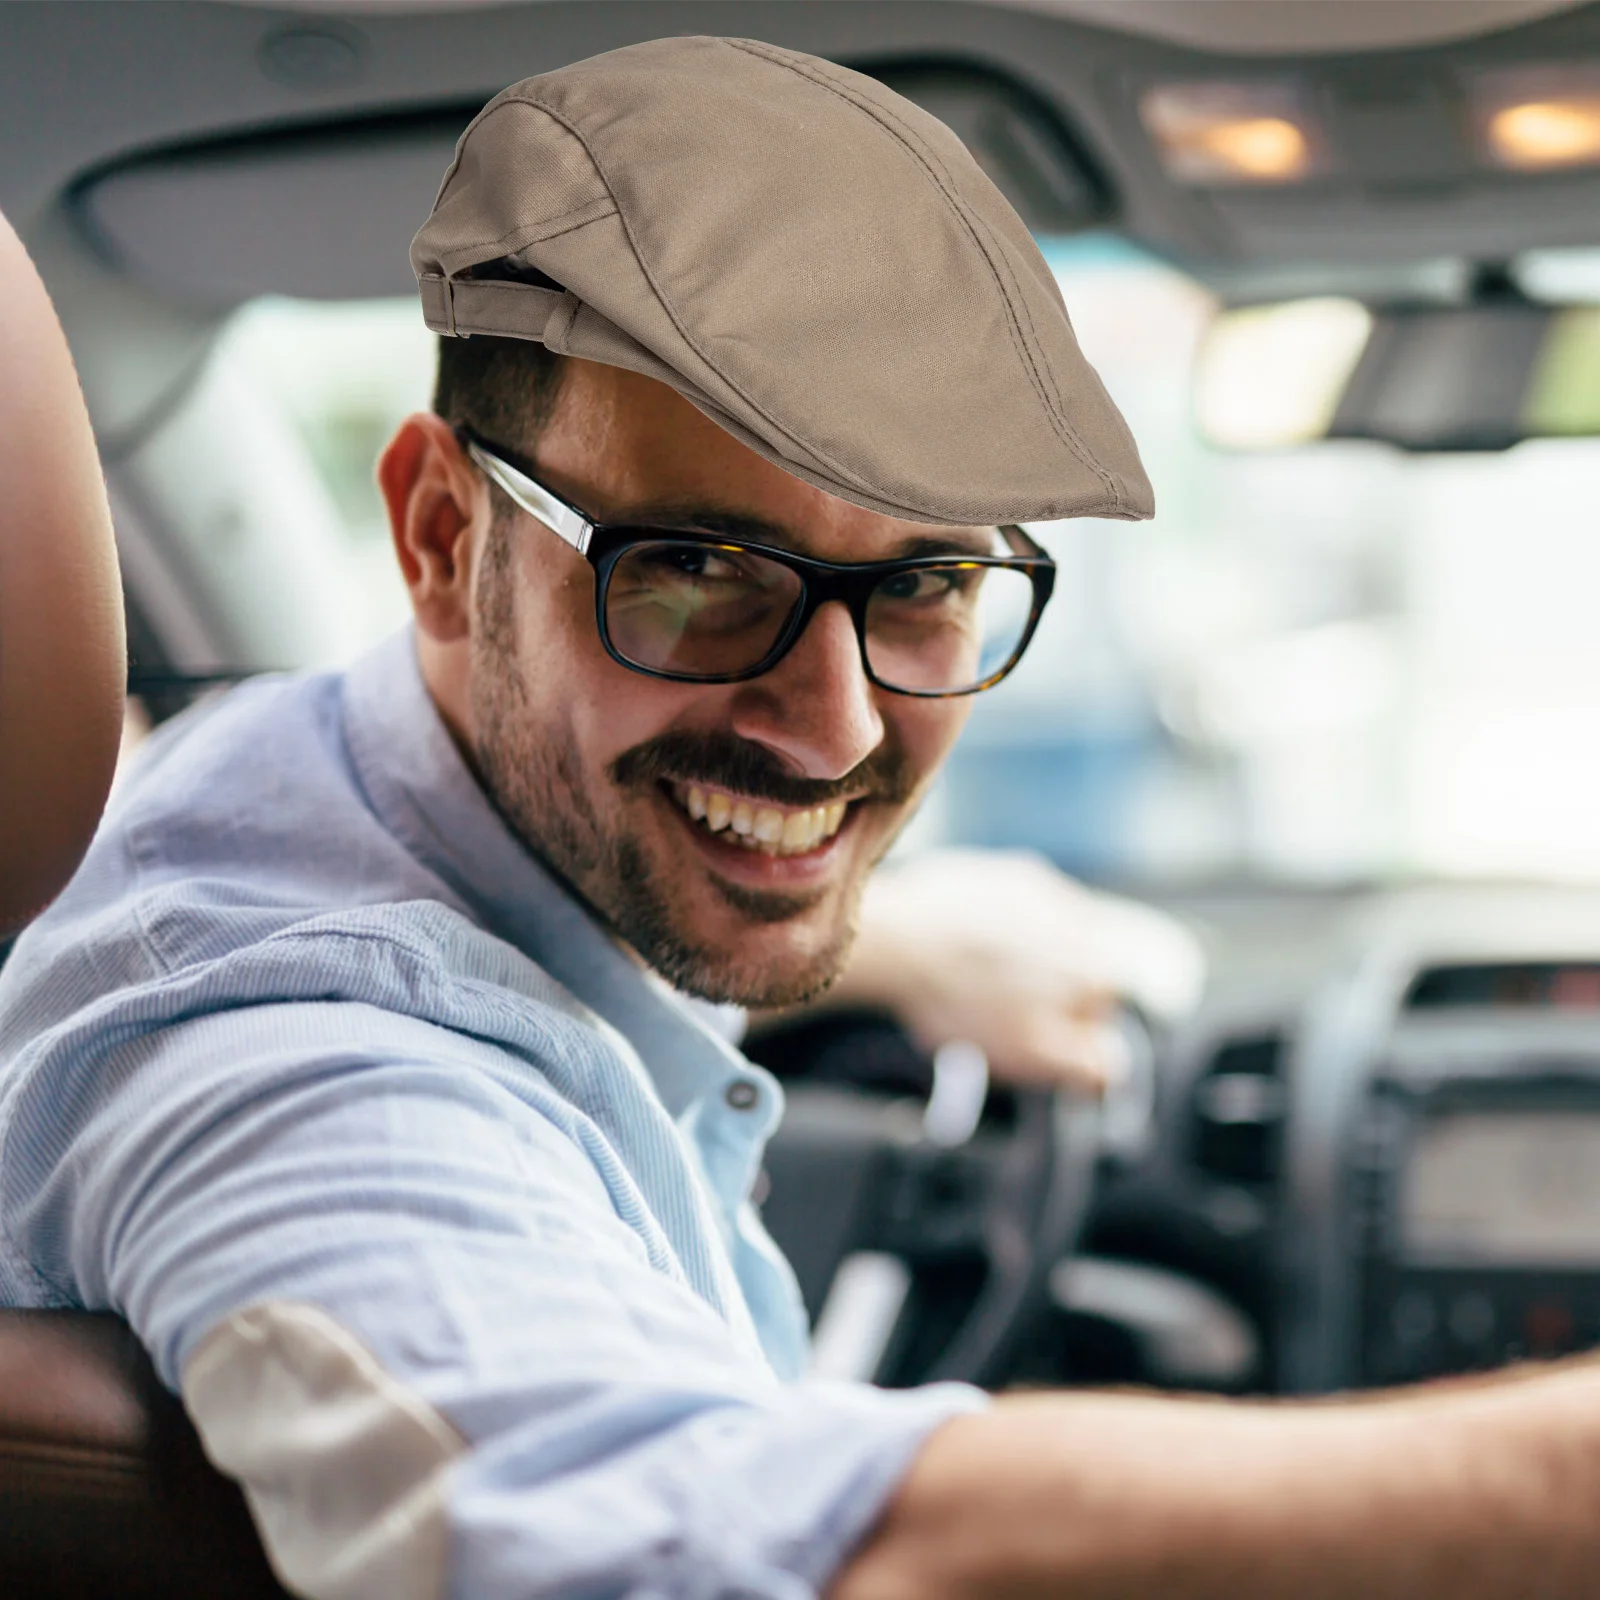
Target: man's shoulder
<point>258,784</point>
<point>247,801</point>
<point>242,863</point>
<point>225,949</point>
<point>365,993</point>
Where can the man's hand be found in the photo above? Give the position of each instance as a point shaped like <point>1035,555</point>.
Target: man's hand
<point>1001,949</point>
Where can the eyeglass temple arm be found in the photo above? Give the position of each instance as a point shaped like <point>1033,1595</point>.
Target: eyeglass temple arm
<point>563,520</point>
<point>1022,542</point>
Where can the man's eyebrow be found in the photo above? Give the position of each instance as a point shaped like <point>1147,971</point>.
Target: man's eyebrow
<point>710,519</point>
<point>757,530</point>
<point>957,542</point>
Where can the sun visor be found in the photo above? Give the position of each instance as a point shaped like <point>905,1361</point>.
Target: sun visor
<point>328,211</point>
<point>325,214</point>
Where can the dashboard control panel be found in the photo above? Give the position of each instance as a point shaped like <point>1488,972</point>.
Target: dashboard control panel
<point>1477,1219</point>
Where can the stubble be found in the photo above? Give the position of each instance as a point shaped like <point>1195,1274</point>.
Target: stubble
<point>529,764</point>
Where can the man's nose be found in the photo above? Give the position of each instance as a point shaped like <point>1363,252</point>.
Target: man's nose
<point>816,709</point>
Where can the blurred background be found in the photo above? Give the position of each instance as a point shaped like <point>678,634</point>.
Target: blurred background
<point>1338,705</point>
<point>1324,664</point>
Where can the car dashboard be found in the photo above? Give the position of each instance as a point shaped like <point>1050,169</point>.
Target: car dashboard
<point>1401,1147</point>
<point>1370,1156</point>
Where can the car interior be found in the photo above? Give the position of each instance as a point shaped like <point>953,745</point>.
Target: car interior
<point>1337,709</point>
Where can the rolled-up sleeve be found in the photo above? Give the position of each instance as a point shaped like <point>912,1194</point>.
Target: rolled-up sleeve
<point>415,1307</point>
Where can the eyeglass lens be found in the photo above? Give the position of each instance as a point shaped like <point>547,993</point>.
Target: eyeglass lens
<point>709,611</point>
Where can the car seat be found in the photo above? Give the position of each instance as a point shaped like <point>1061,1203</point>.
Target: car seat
<point>104,1488</point>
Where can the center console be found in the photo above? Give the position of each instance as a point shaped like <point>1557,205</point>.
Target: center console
<point>1477,1220</point>
<point>1443,1168</point>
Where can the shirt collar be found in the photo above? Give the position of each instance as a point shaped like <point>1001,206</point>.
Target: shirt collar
<point>424,793</point>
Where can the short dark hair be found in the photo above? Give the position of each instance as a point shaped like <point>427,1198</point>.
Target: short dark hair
<point>504,389</point>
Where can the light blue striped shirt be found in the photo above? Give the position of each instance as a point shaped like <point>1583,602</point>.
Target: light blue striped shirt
<point>432,1204</point>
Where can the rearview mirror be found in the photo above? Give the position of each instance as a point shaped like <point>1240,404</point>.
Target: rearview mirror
<point>1481,376</point>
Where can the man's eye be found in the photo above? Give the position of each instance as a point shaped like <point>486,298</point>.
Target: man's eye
<point>926,584</point>
<point>698,562</point>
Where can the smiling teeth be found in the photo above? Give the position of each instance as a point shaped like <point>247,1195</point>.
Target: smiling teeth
<point>764,828</point>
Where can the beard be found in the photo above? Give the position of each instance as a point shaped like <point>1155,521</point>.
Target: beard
<point>531,769</point>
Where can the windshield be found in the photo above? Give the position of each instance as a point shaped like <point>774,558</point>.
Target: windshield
<point>1330,664</point>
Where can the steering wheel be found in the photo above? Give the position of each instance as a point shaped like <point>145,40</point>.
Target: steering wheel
<point>921,1260</point>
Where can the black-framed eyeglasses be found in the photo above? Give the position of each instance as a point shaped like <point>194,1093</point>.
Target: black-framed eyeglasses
<point>699,608</point>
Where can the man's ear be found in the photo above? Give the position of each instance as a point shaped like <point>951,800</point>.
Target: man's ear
<point>438,513</point>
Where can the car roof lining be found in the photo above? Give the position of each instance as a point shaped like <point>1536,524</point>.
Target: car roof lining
<point>1245,27</point>
<point>399,65</point>
<point>1303,27</point>
<point>222,221</point>
<point>103,152</point>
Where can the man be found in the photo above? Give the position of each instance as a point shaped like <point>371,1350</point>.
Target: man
<point>353,1069</point>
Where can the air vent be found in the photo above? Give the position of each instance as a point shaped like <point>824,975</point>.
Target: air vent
<point>322,211</point>
<point>1238,1111</point>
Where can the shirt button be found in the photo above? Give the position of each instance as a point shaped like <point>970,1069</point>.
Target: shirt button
<point>741,1094</point>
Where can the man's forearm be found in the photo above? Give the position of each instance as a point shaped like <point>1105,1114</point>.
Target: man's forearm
<point>1470,1491</point>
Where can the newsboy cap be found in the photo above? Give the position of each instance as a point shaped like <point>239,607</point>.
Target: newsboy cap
<point>816,263</point>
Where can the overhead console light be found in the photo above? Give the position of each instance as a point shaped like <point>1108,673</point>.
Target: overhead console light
<point>1534,119</point>
<point>1229,133</point>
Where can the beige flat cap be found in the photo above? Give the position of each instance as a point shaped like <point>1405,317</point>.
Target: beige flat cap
<point>817,264</point>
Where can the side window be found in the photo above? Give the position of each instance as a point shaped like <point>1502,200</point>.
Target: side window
<point>257,491</point>
<point>343,375</point>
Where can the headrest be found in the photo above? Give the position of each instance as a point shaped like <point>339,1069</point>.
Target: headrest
<point>63,656</point>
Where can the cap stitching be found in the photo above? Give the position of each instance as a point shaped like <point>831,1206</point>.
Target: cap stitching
<point>930,157</point>
<point>463,323</point>
<point>915,147</point>
<point>505,98</point>
<point>838,467</point>
<point>553,227</point>
<point>845,474</point>
<point>461,144</point>
<point>1043,379</point>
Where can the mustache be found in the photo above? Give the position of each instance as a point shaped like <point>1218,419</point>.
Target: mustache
<point>722,760</point>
